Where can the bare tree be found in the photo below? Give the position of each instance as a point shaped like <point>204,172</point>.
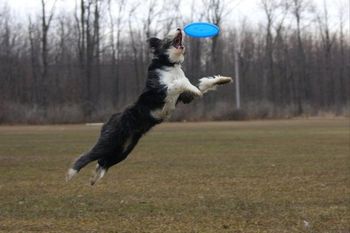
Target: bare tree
<point>275,12</point>
<point>269,7</point>
<point>88,25</point>
<point>115,46</point>
<point>170,16</point>
<point>46,19</point>
<point>34,58</point>
<point>150,27</point>
<point>343,98</point>
<point>150,18</point>
<point>135,48</point>
<point>97,49</point>
<point>298,8</point>
<point>327,43</point>
<point>6,35</point>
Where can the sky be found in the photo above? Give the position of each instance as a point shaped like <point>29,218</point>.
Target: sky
<point>248,9</point>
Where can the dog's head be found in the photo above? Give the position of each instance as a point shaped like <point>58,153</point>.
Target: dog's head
<point>171,47</point>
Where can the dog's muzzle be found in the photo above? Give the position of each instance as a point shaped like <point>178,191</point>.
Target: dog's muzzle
<point>177,42</point>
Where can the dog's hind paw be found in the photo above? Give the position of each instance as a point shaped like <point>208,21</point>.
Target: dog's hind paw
<point>71,172</point>
<point>99,173</point>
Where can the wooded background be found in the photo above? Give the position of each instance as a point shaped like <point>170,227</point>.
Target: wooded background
<point>83,65</point>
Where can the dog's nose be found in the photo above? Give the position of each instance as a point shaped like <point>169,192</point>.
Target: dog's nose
<point>178,29</point>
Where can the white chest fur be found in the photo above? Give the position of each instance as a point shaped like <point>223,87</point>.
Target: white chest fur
<point>172,77</point>
<point>176,82</point>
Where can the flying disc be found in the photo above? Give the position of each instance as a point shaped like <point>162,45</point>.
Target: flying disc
<point>201,30</point>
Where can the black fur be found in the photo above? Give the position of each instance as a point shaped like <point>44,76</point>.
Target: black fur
<point>120,134</point>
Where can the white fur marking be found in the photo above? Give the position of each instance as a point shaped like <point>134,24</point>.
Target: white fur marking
<point>71,172</point>
<point>176,82</point>
<point>176,55</point>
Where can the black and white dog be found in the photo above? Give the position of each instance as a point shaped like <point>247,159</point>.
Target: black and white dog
<point>166,85</point>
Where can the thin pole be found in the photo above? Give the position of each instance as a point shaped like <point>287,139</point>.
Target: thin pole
<point>238,97</point>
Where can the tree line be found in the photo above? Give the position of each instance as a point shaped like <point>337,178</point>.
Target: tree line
<point>84,64</point>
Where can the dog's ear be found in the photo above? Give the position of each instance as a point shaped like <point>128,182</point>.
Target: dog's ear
<point>154,43</point>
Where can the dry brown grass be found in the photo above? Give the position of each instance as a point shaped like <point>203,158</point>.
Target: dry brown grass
<point>260,176</point>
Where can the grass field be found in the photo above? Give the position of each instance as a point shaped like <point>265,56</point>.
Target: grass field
<point>259,176</point>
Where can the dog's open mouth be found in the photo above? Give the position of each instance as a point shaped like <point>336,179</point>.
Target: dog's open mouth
<point>177,42</point>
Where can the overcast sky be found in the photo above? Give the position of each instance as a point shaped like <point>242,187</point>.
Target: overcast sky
<point>248,9</point>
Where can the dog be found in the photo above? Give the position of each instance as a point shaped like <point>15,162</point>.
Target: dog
<point>166,86</point>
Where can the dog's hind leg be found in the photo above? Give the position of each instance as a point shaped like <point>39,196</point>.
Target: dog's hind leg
<point>103,165</point>
<point>81,162</point>
<point>99,173</point>
<point>108,161</point>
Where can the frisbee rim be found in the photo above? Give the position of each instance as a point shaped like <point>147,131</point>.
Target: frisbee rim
<point>201,23</point>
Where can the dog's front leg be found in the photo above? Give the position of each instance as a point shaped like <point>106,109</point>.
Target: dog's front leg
<point>174,91</point>
<point>205,84</point>
<point>187,87</point>
<point>210,83</point>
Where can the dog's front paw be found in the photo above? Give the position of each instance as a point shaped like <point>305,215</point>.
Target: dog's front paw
<point>221,80</point>
<point>198,93</point>
<point>195,91</point>
<point>210,83</point>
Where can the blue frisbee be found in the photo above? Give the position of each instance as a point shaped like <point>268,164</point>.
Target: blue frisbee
<point>201,30</point>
